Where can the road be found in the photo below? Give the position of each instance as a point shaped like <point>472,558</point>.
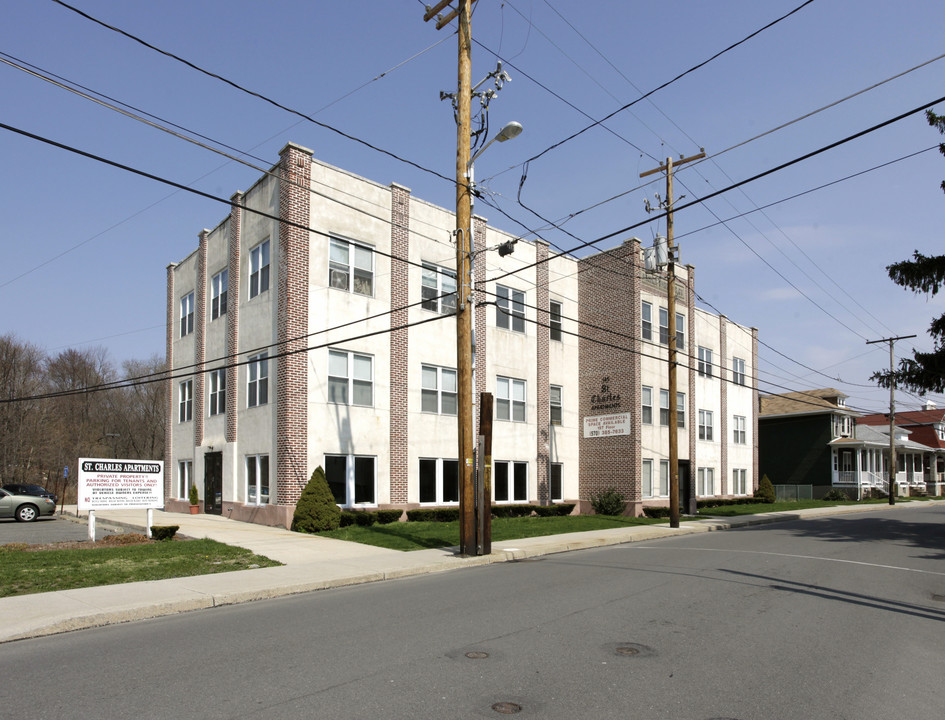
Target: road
<point>840,617</point>
<point>50,529</point>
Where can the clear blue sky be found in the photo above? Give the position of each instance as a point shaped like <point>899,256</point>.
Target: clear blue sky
<point>85,245</point>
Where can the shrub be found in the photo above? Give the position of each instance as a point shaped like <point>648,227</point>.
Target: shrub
<point>433,515</point>
<point>559,510</point>
<point>316,509</point>
<point>385,517</point>
<point>609,502</point>
<point>194,499</point>
<point>656,512</point>
<point>363,518</point>
<point>163,533</point>
<point>836,494</point>
<point>508,511</point>
<point>765,491</point>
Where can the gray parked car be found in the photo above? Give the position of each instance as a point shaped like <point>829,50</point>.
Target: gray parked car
<point>25,508</point>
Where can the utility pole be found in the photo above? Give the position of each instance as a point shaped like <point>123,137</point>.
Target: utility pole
<point>892,412</point>
<point>671,311</point>
<point>464,413</point>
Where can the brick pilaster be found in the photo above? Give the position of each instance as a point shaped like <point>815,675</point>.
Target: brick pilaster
<point>169,469</point>
<point>200,334</point>
<point>724,385</point>
<point>233,291</point>
<point>292,327</point>
<point>399,339</point>
<point>755,406</point>
<point>542,340</point>
<point>481,315</point>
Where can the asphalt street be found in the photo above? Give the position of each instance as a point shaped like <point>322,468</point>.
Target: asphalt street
<point>834,617</point>
<point>49,530</point>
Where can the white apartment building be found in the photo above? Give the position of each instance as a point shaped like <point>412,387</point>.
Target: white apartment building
<point>313,327</point>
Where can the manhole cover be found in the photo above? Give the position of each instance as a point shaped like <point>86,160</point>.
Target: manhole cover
<point>477,655</point>
<point>507,708</point>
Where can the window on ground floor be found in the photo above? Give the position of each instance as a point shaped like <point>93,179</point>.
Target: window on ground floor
<point>257,479</point>
<point>706,481</point>
<point>646,478</point>
<point>739,481</point>
<point>510,481</point>
<point>439,481</point>
<point>185,470</point>
<point>555,480</point>
<point>352,479</point>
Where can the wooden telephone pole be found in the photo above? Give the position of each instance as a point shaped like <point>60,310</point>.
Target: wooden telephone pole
<point>892,413</point>
<point>671,311</point>
<point>464,259</point>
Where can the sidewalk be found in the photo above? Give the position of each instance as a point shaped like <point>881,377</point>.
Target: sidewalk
<point>310,563</point>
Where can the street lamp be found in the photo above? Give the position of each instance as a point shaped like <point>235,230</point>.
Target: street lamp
<point>465,340</point>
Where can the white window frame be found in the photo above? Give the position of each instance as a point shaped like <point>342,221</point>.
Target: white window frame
<point>259,269</point>
<point>646,320</point>
<point>440,468</point>
<point>185,401</point>
<point>216,396</point>
<point>511,469</point>
<point>506,402</point>
<point>706,425</point>
<point>352,498</point>
<point>646,478</point>
<point>739,481</point>
<point>509,309</point>
<point>256,484</point>
<point>705,478</point>
<point>438,289</point>
<point>257,380</point>
<point>680,409</point>
<point>646,403</point>
<point>738,371</point>
<point>187,314</point>
<point>556,405</point>
<point>354,378</point>
<point>185,478</point>
<point>680,329</point>
<point>557,469</point>
<point>555,320</point>
<point>351,266</point>
<point>218,294</point>
<point>434,382</point>
<point>664,478</point>
<point>705,362</point>
<point>739,429</point>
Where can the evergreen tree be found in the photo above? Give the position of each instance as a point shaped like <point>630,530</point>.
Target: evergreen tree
<point>316,509</point>
<point>924,371</point>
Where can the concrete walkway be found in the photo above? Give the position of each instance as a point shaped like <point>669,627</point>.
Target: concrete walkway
<point>310,563</point>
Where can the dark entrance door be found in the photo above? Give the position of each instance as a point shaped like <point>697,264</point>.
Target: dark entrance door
<point>213,483</point>
<point>687,500</point>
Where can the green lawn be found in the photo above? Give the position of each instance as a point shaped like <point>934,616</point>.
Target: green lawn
<point>33,571</point>
<point>757,508</point>
<point>422,535</point>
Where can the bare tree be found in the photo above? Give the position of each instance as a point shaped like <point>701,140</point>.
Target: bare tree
<point>22,424</point>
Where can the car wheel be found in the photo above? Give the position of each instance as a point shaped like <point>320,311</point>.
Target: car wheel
<point>27,513</point>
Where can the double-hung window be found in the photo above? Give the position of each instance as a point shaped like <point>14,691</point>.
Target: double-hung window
<point>217,391</point>
<point>257,386</point>
<point>438,289</point>
<point>259,269</point>
<point>705,425</point>
<point>738,371</point>
<point>351,267</point>
<point>438,390</point>
<point>664,478</point>
<point>554,400</point>
<point>706,481</point>
<point>705,362</point>
<point>680,329</point>
<point>218,294</point>
<point>187,314</point>
<point>510,481</point>
<point>555,482</point>
<point>185,470</point>
<point>257,479</point>
<point>647,402</point>
<point>352,479</point>
<point>739,481</point>
<point>554,323</point>
<point>185,401</point>
<point>509,399</point>
<point>350,378</point>
<point>646,313</point>
<point>680,409</point>
<point>646,478</point>
<point>740,436</point>
<point>509,309</point>
<point>439,481</point>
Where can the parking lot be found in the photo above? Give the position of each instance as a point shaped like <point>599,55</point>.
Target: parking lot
<point>48,530</point>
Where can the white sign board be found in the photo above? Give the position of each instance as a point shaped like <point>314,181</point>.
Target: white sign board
<point>120,484</point>
<point>607,425</point>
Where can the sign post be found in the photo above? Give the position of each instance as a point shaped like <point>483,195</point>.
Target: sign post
<point>120,485</point>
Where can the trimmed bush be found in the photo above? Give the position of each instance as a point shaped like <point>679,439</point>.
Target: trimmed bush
<point>836,494</point>
<point>316,509</point>
<point>363,518</point>
<point>720,502</point>
<point>765,491</point>
<point>163,533</point>
<point>433,515</point>
<point>385,517</point>
<point>559,510</point>
<point>656,512</point>
<point>609,502</point>
<point>194,498</point>
<point>509,511</point>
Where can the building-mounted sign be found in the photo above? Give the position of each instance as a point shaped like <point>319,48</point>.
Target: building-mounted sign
<point>120,484</point>
<point>606,399</point>
<point>607,425</point>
